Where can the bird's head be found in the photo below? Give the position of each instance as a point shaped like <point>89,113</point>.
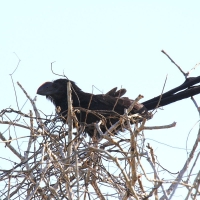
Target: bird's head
<point>57,90</point>
<point>53,90</point>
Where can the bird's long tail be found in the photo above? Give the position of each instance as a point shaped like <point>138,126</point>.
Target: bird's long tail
<point>175,94</point>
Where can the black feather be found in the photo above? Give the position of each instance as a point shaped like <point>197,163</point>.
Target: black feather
<point>110,105</point>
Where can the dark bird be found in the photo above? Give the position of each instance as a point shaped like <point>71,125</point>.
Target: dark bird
<point>108,107</point>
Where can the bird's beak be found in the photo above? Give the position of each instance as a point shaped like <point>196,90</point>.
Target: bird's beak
<point>45,89</point>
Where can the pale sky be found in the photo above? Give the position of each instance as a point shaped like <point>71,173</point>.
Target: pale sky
<point>106,44</point>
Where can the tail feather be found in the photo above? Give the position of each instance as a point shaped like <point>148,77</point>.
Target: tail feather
<point>175,94</point>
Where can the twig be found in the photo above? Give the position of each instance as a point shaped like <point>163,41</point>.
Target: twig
<point>196,105</point>
<point>13,81</point>
<point>193,68</point>
<point>53,71</point>
<point>37,114</point>
<point>134,102</point>
<point>69,120</point>
<point>160,127</point>
<point>171,190</point>
<point>185,74</point>
<point>155,175</point>
<point>161,95</point>
<point>11,147</point>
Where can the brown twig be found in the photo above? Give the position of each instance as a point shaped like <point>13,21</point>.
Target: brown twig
<point>185,74</point>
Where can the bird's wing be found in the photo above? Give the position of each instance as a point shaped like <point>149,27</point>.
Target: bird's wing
<point>116,93</point>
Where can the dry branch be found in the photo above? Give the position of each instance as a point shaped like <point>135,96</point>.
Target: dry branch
<point>60,162</point>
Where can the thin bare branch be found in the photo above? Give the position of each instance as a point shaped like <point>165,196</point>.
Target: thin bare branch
<point>185,74</point>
